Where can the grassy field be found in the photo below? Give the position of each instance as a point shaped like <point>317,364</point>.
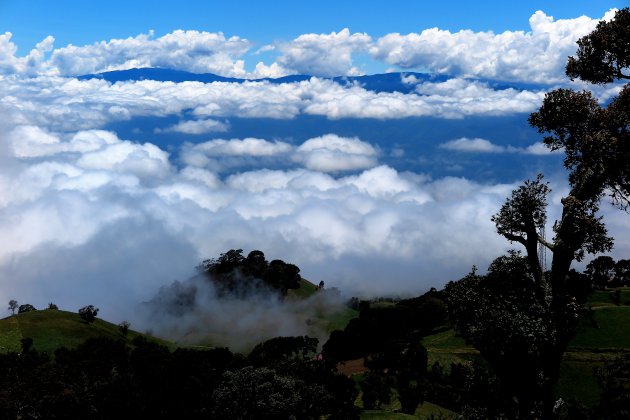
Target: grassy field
<point>595,344</point>
<point>426,410</point>
<point>51,329</point>
<point>306,289</point>
<point>326,319</point>
<point>447,348</point>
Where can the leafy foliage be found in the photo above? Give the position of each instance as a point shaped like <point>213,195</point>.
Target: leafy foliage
<point>88,313</point>
<point>27,307</point>
<point>236,275</point>
<point>615,380</point>
<point>105,378</point>
<point>377,326</point>
<point>604,53</point>
<point>601,271</point>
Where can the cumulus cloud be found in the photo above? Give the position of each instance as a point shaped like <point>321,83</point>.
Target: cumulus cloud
<point>324,54</point>
<point>194,51</point>
<point>331,153</point>
<point>197,127</point>
<point>478,145</point>
<point>538,55</point>
<point>328,153</point>
<point>31,64</point>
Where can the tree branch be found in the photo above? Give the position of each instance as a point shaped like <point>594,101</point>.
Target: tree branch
<point>515,238</point>
<point>544,242</point>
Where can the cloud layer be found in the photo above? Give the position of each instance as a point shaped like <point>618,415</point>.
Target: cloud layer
<point>537,55</point>
<point>65,104</point>
<point>90,196</point>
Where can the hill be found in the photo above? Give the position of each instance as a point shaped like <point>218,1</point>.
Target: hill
<point>51,329</point>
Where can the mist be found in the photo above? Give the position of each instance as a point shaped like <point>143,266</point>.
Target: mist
<point>192,312</point>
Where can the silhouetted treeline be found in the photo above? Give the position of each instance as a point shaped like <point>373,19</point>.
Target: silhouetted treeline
<point>105,379</point>
<point>377,325</point>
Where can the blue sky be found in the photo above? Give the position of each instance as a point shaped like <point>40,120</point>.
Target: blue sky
<point>110,190</point>
<point>72,21</point>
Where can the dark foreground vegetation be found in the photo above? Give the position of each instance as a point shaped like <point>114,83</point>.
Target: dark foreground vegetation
<point>107,378</point>
<point>515,343</point>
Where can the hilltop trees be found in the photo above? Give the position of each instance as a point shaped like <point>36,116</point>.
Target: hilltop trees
<point>27,307</point>
<point>234,274</point>
<point>596,142</point>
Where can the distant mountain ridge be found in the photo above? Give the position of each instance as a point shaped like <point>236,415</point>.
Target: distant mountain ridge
<point>386,82</point>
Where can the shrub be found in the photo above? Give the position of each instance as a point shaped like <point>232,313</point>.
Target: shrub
<point>27,307</point>
<point>88,313</point>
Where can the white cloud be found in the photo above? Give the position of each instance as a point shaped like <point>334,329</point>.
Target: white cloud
<point>31,64</point>
<point>472,145</point>
<point>331,153</point>
<point>197,127</point>
<point>324,54</point>
<point>328,153</point>
<point>538,55</point>
<point>62,104</point>
<point>195,51</point>
<point>478,145</point>
<point>220,154</point>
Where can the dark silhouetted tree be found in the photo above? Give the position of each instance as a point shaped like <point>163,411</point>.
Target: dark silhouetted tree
<point>377,390</point>
<point>601,271</point>
<point>604,55</point>
<point>27,307</point>
<point>88,313</point>
<point>622,272</point>
<point>123,327</point>
<point>233,274</point>
<point>13,305</point>
<point>595,140</point>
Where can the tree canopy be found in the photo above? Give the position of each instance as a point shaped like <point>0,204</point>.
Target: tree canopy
<point>232,273</point>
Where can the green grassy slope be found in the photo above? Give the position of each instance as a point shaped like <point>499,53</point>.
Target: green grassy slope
<point>51,329</point>
<point>325,319</point>
<point>594,345</point>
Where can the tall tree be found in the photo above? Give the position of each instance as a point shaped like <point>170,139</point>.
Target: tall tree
<point>596,142</point>
<point>601,271</point>
<point>13,305</point>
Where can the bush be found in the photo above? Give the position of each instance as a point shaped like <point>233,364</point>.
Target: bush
<point>123,327</point>
<point>88,313</point>
<point>27,307</point>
